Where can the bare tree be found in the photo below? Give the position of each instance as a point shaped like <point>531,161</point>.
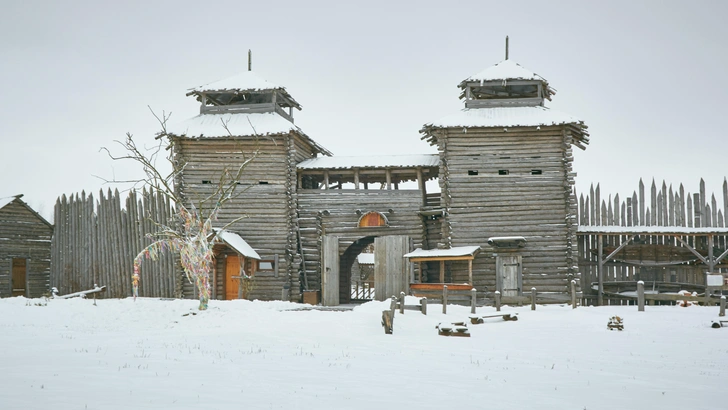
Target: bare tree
<point>191,232</point>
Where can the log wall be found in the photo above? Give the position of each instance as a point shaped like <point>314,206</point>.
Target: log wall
<point>514,182</point>
<point>24,234</point>
<point>266,198</point>
<point>96,240</point>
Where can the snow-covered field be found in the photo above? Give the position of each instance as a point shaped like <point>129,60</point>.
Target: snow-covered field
<point>69,354</point>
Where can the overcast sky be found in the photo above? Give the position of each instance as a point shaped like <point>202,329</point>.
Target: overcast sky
<point>649,78</point>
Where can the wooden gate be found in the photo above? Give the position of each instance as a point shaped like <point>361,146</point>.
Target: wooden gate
<point>330,270</point>
<point>19,277</point>
<point>509,275</point>
<point>390,268</point>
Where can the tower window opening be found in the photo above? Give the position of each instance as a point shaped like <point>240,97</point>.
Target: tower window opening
<point>536,172</point>
<point>472,172</point>
<point>206,182</point>
<point>503,172</point>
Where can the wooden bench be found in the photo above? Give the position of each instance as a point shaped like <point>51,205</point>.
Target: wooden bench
<point>506,316</point>
<point>459,329</point>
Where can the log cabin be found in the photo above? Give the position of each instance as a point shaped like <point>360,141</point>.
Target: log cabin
<point>25,249</point>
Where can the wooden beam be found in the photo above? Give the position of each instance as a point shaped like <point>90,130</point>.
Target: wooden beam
<point>691,249</point>
<point>619,248</point>
<point>600,270</point>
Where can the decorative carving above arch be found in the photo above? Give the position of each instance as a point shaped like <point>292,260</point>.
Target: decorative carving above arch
<point>373,219</point>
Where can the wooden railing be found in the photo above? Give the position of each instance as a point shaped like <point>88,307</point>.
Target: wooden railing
<point>362,290</point>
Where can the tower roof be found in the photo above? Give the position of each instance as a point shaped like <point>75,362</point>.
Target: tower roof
<point>245,81</point>
<point>505,70</point>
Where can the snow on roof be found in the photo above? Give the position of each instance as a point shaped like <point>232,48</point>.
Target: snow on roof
<point>365,258</point>
<point>245,81</point>
<point>6,200</point>
<point>443,253</point>
<point>505,117</point>
<point>505,70</point>
<point>236,242</point>
<point>649,230</point>
<point>239,124</point>
<point>378,161</point>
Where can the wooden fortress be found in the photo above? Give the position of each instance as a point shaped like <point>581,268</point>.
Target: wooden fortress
<point>504,219</point>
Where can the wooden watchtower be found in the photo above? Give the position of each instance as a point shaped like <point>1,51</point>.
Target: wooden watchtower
<point>507,183</point>
<point>238,116</point>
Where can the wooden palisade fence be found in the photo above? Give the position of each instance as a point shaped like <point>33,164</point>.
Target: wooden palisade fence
<point>662,223</point>
<point>95,242</point>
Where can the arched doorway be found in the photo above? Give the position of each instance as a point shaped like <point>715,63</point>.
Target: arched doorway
<point>346,261</point>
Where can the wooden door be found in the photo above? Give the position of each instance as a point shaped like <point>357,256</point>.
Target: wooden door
<point>509,275</point>
<point>391,275</point>
<point>19,277</point>
<point>232,284</point>
<point>330,270</point>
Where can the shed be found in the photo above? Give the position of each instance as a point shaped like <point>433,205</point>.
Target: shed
<point>25,249</point>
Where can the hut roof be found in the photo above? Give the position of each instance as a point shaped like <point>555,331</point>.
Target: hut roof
<point>378,161</point>
<point>239,124</point>
<point>505,70</point>
<point>365,259</point>
<point>5,201</point>
<point>444,253</point>
<point>8,199</point>
<point>236,242</point>
<point>505,117</point>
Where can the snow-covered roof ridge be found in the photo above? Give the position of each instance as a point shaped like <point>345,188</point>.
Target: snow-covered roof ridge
<point>375,161</point>
<point>505,70</point>
<point>641,229</point>
<point>4,201</point>
<point>505,117</point>
<point>236,242</point>
<point>443,253</point>
<point>238,124</point>
<point>245,81</point>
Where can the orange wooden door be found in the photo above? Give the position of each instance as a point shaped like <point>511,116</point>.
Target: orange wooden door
<point>231,284</point>
<point>19,277</point>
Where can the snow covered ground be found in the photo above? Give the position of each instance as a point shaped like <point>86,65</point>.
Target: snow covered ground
<point>69,354</point>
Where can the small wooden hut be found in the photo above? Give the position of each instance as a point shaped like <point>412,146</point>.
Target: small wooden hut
<point>25,249</point>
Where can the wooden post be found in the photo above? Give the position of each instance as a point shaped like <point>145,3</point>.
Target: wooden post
<point>444,299</point>
<point>640,296</point>
<point>326,179</point>
<point>389,178</point>
<point>401,303</point>
<point>533,298</point>
<point>473,293</point>
<point>600,270</point>
<point>722,306</point>
<point>423,308</point>
<point>442,271</point>
<point>419,274</point>
<point>497,301</point>
<point>573,294</point>
<point>356,178</point>
<point>470,272</point>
